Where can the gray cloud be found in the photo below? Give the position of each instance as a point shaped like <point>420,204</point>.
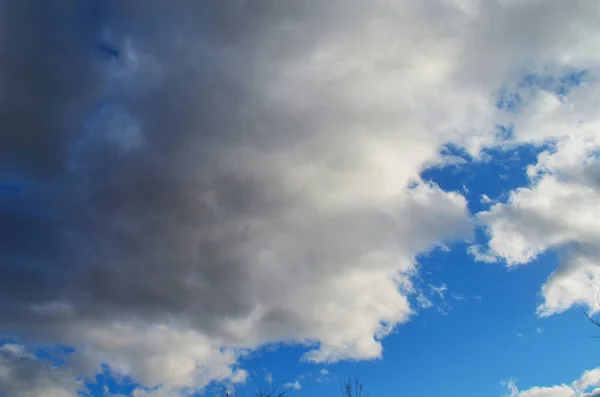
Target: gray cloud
<point>22,374</point>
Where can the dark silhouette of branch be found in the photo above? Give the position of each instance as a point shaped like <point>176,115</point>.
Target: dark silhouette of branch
<point>352,388</point>
<point>227,393</point>
<point>596,323</point>
<point>271,390</point>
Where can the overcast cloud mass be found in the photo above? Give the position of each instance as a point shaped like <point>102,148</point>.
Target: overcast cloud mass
<point>184,182</point>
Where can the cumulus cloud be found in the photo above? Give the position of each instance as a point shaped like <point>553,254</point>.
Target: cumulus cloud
<point>247,173</point>
<point>585,386</point>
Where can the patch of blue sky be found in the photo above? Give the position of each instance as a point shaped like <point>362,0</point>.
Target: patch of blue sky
<point>561,84</point>
<point>56,355</point>
<point>513,98</point>
<point>499,172</point>
<point>509,101</point>
<point>107,381</point>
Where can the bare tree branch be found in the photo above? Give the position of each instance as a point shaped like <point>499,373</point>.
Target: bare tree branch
<point>271,390</point>
<point>352,388</point>
<point>596,323</point>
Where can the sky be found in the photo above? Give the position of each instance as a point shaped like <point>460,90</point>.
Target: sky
<point>199,196</point>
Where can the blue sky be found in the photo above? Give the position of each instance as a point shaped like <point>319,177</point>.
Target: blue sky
<point>234,194</point>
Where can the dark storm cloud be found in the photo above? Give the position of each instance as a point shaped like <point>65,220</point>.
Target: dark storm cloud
<point>111,228</point>
<point>46,82</point>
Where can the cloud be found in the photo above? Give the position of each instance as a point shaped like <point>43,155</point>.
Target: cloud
<point>324,376</point>
<point>439,291</point>
<point>485,199</point>
<point>23,374</point>
<point>293,385</point>
<point>248,173</point>
<point>480,254</point>
<point>558,211</point>
<point>436,298</point>
<point>423,301</point>
<point>458,297</point>
<point>585,386</point>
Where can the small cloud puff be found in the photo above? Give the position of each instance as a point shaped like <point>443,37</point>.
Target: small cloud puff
<point>293,385</point>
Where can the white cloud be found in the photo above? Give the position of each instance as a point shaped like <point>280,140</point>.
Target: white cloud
<point>557,213</point>
<point>481,254</point>
<point>423,301</point>
<point>576,282</point>
<point>436,298</point>
<point>550,214</point>
<point>440,291</point>
<point>585,386</point>
<point>189,360</point>
<point>269,378</point>
<point>293,385</point>
<point>444,248</point>
<point>485,199</point>
<point>589,379</point>
<point>323,376</point>
<point>458,297</point>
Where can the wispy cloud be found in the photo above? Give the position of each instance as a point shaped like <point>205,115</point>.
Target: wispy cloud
<point>423,302</point>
